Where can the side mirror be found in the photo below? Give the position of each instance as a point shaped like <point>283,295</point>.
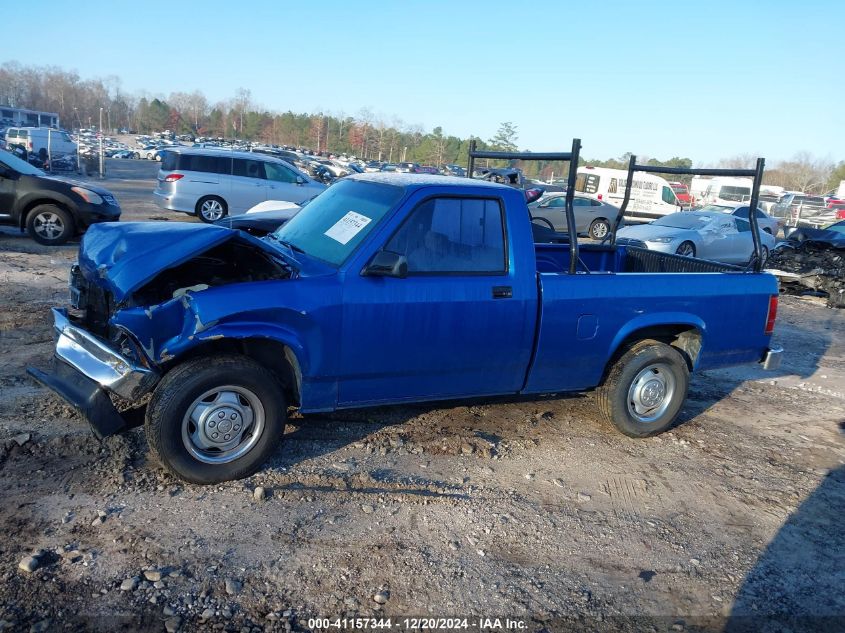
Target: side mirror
<point>300,180</point>
<point>387,264</point>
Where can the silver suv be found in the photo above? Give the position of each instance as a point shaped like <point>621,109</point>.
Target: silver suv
<point>213,183</point>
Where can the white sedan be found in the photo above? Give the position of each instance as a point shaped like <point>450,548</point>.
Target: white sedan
<point>715,236</point>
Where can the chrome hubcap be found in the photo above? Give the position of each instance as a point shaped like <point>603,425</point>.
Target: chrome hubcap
<point>48,225</point>
<point>651,392</point>
<point>223,424</point>
<point>599,230</point>
<point>211,210</point>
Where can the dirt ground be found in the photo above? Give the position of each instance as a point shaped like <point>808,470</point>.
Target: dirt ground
<point>532,510</point>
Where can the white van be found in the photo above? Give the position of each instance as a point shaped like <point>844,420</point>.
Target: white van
<point>652,197</point>
<point>720,190</point>
<point>34,139</point>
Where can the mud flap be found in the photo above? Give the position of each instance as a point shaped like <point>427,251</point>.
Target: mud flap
<point>85,395</point>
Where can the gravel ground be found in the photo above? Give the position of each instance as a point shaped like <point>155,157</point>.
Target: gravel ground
<point>532,510</point>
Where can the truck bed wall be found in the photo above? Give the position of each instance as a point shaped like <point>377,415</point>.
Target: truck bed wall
<point>586,318</point>
<point>554,258</point>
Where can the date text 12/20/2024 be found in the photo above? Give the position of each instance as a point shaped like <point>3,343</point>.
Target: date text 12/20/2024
<point>417,624</point>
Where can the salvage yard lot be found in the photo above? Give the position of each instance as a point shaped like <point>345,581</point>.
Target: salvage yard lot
<point>531,509</point>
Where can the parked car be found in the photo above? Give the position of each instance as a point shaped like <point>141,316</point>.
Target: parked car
<point>389,167</point>
<point>715,236</point>
<point>51,210</point>
<point>592,217</point>
<point>124,153</point>
<point>767,223</point>
<point>454,170</point>
<point>792,205</point>
<point>681,193</point>
<point>373,166</point>
<point>426,169</point>
<point>147,152</point>
<point>259,223</point>
<point>385,289</point>
<point>407,168</point>
<point>213,183</point>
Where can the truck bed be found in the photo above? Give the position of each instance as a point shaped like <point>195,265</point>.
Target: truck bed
<point>584,318</point>
<point>598,258</point>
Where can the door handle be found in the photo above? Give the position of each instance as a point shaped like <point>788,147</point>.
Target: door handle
<point>502,292</point>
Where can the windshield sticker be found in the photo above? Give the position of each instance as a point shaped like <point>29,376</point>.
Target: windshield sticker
<point>347,227</point>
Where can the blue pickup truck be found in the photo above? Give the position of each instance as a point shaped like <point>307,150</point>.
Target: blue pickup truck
<point>385,289</point>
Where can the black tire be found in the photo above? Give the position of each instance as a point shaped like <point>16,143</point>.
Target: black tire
<point>168,426</point>
<point>764,252</point>
<point>209,218</point>
<point>599,228</point>
<point>638,365</point>
<point>686,246</point>
<point>50,225</point>
<point>136,156</point>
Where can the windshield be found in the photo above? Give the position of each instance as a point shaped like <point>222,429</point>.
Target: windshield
<point>337,220</point>
<point>20,166</point>
<point>684,221</point>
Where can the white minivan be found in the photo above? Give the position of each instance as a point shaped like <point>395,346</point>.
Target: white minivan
<point>720,190</point>
<point>34,139</point>
<point>213,183</point>
<point>652,197</point>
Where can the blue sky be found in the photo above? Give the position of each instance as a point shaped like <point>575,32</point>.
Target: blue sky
<point>713,79</point>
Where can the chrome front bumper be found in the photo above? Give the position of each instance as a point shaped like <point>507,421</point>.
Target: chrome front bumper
<point>96,360</point>
<point>771,359</point>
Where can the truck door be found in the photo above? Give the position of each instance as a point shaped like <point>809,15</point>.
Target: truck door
<point>460,324</point>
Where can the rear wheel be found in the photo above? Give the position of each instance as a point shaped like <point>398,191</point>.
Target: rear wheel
<point>644,389</point>
<point>211,208</point>
<point>599,229</point>
<point>136,155</point>
<point>687,249</point>
<point>50,225</point>
<point>215,419</point>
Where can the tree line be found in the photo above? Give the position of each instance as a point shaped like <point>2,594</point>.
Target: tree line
<point>81,102</point>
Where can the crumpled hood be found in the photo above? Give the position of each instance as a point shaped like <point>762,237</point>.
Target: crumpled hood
<point>123,256</point>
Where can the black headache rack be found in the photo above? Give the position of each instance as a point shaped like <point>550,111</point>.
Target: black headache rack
<point>755,174</point>
<point>571,156</point>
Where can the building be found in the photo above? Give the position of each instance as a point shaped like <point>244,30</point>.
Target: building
<point>20,117</point>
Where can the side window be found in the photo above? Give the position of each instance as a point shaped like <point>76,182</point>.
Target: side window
<point>224,165</point>
<point>279,173</point>
<point>743,226</point>
<point>558,202</point>
<point>595,203</point>
<point>668,195</point>
<point>581,202</point>
<point>248,168</point>
<point>452,235</point>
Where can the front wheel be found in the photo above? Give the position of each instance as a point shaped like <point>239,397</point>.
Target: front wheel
<point>50,225</point>
<point>599,229</point>
<point>644,389</point>
<point>686,249</point>
<point>215,419</point>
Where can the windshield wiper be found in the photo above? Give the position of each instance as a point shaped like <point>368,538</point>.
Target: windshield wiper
<point>284,243</point>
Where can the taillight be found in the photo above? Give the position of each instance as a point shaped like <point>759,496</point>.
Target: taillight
<point>772,315</point>
<point>173,177</point>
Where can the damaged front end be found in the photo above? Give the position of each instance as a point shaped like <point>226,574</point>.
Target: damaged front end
<point>130,294</point>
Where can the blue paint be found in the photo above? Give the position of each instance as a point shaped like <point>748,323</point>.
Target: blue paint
<point>362,340</point>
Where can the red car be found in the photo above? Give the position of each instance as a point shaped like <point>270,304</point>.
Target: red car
<point>682,193</point>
